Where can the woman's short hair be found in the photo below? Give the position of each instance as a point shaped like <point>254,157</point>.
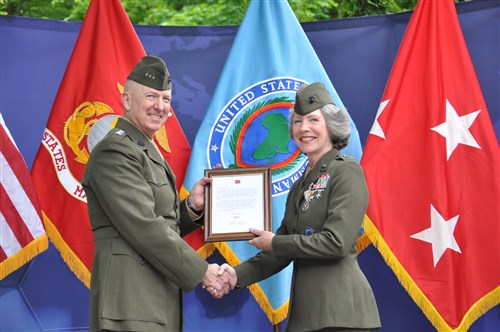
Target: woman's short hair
<point>337,123</point>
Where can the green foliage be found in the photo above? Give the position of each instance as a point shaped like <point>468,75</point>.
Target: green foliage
<point>352,8</point>
<point>59,9</point>
<point>203,12</point>
<point>314,10</point>
<point>193,13</point>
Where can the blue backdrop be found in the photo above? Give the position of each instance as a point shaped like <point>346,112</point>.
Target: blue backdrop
<point>357,53</point>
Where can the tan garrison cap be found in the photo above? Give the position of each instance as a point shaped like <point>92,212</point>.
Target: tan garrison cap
<point>311,97</point>
<point>151,71</point>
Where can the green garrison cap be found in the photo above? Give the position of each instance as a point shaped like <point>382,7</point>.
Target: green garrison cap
<point>311,97</point>
<point>151,71</point>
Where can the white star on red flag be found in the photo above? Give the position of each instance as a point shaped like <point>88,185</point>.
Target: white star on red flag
<point>376,128</point>
<point>456,129</point>
<point>439,235</point>
<point>434,94</point>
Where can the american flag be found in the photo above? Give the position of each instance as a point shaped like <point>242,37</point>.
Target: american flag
<point>22,235</point>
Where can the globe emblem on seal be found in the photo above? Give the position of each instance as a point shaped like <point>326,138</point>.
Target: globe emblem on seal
<point>253,131</point>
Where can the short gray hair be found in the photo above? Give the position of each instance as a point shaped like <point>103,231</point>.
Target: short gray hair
<point>337,123</point>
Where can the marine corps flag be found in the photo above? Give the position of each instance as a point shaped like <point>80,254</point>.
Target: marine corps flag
<point>432,164</point>
<point>86,106</point>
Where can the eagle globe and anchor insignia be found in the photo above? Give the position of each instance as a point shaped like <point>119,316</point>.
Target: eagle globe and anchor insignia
<point>252,131</point>
<point>82,130</point>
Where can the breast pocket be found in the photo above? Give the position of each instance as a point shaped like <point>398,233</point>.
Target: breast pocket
<point>162,189</point>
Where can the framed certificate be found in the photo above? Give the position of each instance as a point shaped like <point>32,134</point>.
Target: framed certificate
<point>237,199</point>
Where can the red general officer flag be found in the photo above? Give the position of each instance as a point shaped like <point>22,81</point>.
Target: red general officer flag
<point>86,107</point>
<point>432,164</point>
<point>22,235</point>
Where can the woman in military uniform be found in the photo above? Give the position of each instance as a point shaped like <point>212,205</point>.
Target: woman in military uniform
<point>323,216</point>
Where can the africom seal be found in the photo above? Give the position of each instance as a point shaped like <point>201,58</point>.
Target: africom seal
<point>252,131</point>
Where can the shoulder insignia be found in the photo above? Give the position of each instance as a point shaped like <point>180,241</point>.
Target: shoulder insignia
<point>343,157</point>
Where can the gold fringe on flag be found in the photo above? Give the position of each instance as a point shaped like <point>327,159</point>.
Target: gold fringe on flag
<point>275,316</point>
<point>23,256</point>
<point>477,310</point>
<point>363,242</point>
<point>68,256</point>
<point>206,250</point>
<point>183,193</point>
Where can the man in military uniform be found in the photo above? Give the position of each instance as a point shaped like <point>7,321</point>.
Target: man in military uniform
<point>141,263</point>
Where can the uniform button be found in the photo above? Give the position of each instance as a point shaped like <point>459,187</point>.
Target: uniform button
<point>141,259</point>
<point>309,231</point>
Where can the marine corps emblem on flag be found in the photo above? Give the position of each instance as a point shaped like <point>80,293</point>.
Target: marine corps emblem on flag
<point>81,131</point>
<point>252,130</point>
<point>78,126</point>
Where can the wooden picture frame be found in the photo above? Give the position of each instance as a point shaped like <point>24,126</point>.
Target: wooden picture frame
<point>237,199</point>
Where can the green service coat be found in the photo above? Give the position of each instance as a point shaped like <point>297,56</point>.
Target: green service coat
<point>141,263</point>
<point>319,237</point>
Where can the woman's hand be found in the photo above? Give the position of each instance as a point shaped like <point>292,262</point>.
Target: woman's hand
<point>264,239</point>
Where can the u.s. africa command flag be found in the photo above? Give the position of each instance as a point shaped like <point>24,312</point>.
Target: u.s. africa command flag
<point>269,59</point>
<point>432,164</point>
<point>86,107</point>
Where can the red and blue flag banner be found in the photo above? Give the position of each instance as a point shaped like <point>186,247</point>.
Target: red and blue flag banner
<point>432,164</point>
<point>22,235</point>
<point>246,124</point>
<point>87,105</point>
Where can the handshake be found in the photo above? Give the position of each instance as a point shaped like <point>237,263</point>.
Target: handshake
<point>219,280</point>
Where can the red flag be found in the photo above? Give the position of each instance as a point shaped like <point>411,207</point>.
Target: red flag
<point>175,151</point>
<point>86,107</point>
<point>22,235</point>
<point>432,164</point>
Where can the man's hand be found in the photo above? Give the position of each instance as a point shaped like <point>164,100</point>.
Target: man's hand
<point>197,194</point>
<point>213,283</point>
<point>228,274</point>
<point>264,239</point>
